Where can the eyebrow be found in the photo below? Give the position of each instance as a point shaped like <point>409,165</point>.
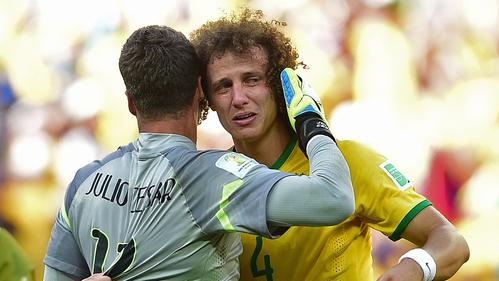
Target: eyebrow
<point>252,73</point>
<point>244,75</point>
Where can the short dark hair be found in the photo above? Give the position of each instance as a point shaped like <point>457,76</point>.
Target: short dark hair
<point>160,69</point>
<point>239,33</point>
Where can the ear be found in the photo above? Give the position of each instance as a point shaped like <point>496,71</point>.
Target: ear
<point>131,105</point>
<point>200,87</point>
<point>199,94</point>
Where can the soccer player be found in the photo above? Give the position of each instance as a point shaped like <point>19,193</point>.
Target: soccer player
<point>242,55</point>
<point>158,209</point>
<point>13,263</point>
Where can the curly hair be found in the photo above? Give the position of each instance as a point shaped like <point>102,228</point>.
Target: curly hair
<point>239,33</point>
<point>160,69</point>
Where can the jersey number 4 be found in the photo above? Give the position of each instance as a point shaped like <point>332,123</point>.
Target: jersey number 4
<point>124,260</point>
<point>267,269</point>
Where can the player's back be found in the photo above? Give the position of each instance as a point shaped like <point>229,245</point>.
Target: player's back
<point>130,215</point>
<point>158,209</point>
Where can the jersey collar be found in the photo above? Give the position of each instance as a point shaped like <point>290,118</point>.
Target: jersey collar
<point>153,144</point>
<point>285,154</point>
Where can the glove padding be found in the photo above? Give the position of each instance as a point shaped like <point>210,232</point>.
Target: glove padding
<point>304,109</point>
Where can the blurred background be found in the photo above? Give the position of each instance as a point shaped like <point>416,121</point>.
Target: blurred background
<point>417,80</point>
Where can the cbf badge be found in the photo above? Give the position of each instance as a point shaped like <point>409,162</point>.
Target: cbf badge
<point>400,181</point>
<point>236,164</point>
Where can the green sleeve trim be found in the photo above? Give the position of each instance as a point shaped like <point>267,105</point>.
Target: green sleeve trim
<point>407,219</point>
<point>65,215</point>
<point>285,154</point>
<point>221,215</point>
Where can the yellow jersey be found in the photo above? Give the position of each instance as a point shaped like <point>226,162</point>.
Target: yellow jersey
<point>384,200</point>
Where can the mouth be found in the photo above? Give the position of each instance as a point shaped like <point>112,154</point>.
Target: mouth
<point>244,118</point>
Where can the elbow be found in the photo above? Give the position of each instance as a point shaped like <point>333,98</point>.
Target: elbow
<point>343,213</point>
<point>462,251</point>
<point>343,209</point>
<point>465,250</point>
<point>461,254</point>
<point>346,201</point>
<point>348,209</point>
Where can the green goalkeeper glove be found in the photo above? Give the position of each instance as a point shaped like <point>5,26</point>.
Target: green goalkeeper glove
<point>304,109</point>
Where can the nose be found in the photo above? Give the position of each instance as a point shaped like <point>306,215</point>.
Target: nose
<point>239,97</point>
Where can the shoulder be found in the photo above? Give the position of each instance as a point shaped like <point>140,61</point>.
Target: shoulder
<point>369,168</point>
<point>356,153</point>
<point>215,162</point>
<point>84,172</point>
<point>90,168</point>
<point>182,157</point>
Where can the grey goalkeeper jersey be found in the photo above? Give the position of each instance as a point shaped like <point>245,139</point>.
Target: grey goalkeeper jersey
<point>158,209</point>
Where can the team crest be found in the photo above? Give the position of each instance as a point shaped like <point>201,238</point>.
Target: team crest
<point>397,177</point>
<point>236,164</point>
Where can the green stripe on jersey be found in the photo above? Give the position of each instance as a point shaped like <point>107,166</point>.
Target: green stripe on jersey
<point>222,217</point>
<point>407,219</point>
<point>65,215</point>
<point>285,154</point>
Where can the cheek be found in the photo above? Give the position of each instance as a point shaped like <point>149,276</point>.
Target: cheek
<point>224,120</point>
<point>220,108</point>
<point>270,106</point>
<point>216,103</point>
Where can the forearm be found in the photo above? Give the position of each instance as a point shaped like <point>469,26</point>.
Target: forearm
<point>431,231</point>
<point>449,250</point>
<point>323,198</point>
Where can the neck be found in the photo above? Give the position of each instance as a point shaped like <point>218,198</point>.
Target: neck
<point>183,126</point>
<point>267,149</point>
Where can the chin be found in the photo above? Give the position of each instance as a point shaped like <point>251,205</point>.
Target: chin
<point>245,135</point>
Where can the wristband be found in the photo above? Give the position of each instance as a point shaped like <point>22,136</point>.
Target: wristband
<point>425,261</point>
<point>309,125</point>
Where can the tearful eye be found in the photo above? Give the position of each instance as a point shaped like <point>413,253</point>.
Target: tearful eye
<point>252,81</point>
<point>222,88</point>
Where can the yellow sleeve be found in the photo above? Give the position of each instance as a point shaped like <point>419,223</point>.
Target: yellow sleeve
<point>384,198</point>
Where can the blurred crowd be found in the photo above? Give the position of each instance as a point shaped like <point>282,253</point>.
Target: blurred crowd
<point>417,80</point>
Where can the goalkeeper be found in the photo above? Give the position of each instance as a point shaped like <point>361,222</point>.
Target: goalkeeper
<point>243,55</point>
<point>158,209</point>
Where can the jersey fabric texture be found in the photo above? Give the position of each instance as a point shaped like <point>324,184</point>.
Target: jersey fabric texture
<point>158,209</point>
<point>384,200</point>
<point>14,265</point>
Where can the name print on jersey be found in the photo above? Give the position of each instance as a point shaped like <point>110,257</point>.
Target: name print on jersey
<point>99,189</point>
<point>143,196</point>
<point>146,196</point>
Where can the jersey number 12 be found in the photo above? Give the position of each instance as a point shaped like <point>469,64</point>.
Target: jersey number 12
<point>126,255</point>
